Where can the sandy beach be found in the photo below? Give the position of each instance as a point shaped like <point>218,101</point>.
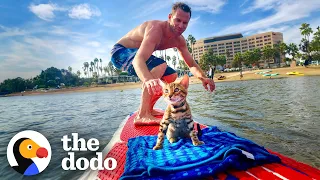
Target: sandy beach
<point>230,76</point>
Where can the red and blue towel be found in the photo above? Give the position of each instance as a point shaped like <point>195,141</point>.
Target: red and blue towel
<point>181,160</point>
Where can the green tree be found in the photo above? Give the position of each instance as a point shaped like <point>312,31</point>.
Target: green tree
<point>13,85</point>
<point>168,59</point>
<point>78,73</point>
<point>100,65</point>
<point>93,67</point>
<point>174,61</point>
<point>176,50</point>
<point>306,31</point>
<point>237,62</point>
<point>111,68</point>
<point>86,68</point>
<point>183,65</point>
<point>292,50</point>
<point>315,45</point>
<point>96,66</point>
<point>192,41</point>
<point>247,58</point>
<point>256,57</point>
<point>106,70</point>
<point>268,53</point>
<point>70,69</point>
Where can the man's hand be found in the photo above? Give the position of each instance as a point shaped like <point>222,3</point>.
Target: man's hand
<point>206,82</point>
<point>154,86</point>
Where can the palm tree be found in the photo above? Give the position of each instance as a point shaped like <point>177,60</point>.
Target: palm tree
<point>106,70</point>
<point>86,68</point>
<point>168,59</point>
<point>283,48</point>
<point>91,70</point>
<point>111,68</point>
<point>192,41</point>
<point>176,50</point>
<point>70,69</point>
<point>101,65</point>
<point>78,73</point>
<point>292,50</point>
<point>92,66</point>
<point>96,65</point>
<point>174,61</point>
<point>306,31</point>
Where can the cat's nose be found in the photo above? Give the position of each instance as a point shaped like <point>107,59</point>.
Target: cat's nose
<point>170,96</point>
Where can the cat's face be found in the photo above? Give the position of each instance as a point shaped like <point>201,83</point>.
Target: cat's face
<point>175,93</point>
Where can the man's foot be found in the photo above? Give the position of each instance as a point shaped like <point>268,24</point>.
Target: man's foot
<point>156,112</point>
<point>148,120</point>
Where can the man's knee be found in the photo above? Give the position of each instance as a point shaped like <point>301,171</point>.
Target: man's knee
<point>170,78</point>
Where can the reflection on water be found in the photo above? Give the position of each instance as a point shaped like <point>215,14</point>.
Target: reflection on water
<point>280,114</point>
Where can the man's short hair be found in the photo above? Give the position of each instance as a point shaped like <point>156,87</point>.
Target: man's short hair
<point>181,6</point>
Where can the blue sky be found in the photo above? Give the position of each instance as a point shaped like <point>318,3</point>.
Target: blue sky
<point>37,34</point>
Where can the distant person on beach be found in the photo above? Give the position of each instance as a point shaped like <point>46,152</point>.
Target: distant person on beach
<point>211,71</point>
<point>133,53</point>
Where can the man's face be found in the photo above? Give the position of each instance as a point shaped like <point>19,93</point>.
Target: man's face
<point>179,21</point>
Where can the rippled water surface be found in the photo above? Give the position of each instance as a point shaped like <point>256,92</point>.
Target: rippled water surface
<point>280,114</point>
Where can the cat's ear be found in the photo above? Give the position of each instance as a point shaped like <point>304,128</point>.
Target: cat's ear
<point>185,81</point>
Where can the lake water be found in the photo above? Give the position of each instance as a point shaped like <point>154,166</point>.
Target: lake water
<point>280,114</point>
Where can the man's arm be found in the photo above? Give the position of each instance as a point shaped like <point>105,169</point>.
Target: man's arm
<point>151,38</point>
<point>193,66</point>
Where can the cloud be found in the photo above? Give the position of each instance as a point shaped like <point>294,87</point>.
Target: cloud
<point>9,32</point>
<point>94,44</point>
<point>150,8</point>
<point>244,3</point>
<point>262,4</point>
<point>193,21</point>
<point>45,11</point>
<point>285,12</point>
<point>212,6</point>
<point>50,46</point>
<point>84,11</point>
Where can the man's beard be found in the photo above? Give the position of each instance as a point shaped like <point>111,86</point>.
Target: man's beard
<point>174,30</point>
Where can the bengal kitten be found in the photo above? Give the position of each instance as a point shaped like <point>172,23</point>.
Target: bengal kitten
<point>177,120</point>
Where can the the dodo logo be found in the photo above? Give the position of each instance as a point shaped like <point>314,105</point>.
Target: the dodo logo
<point>29,152</point>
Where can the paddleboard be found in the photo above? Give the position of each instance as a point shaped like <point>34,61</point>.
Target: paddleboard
<point>117,148</point>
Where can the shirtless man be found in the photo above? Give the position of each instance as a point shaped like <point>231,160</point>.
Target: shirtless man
<point>133,53</point>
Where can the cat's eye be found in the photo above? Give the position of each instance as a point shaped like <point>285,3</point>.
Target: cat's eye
<point>176,89</point>
<point>166,91</point>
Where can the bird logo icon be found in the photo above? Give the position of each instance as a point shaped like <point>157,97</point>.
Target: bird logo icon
<point>29,152</point>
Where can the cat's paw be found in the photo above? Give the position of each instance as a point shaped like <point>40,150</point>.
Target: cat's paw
<point>172,140</point>
<point>157,147</point>
<point>198,143</point>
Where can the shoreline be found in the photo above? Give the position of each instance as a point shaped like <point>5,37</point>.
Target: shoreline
<point>230,76</point>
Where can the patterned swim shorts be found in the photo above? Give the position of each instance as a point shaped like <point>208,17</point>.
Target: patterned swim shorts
<point>122,58</point>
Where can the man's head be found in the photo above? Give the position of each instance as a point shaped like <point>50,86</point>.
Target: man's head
<point>179,17</point>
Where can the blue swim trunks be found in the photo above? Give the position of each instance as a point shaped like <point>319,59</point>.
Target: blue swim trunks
<point>122,57</point>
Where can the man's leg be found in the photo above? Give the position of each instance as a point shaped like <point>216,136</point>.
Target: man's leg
<point>144,116</point>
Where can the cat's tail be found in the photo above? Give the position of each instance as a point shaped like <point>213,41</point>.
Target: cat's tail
<point>199,130</point>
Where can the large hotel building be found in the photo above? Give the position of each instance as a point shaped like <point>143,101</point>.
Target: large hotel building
<point>235,43</point>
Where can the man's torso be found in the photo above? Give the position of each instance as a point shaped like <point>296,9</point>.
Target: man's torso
<point>133,39</point>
